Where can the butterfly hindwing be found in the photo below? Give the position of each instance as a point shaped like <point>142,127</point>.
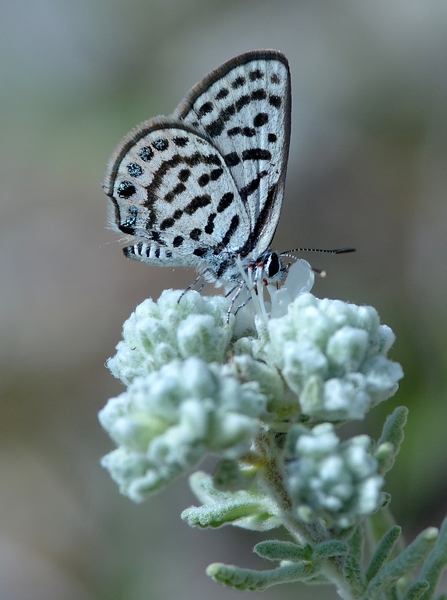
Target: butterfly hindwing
<point>171,187</point>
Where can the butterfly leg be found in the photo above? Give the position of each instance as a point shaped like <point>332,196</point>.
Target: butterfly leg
<point>242,305</point>
<point>239,289</point>
<point>231,291</point>
<point>192,286</point>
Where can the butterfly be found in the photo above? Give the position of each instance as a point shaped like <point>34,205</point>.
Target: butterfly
<point>204,186</point>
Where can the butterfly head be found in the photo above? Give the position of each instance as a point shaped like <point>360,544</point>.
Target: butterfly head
<point>268,268</point>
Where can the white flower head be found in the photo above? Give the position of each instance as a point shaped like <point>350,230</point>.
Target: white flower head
<point>332,355</point>
<point>331,480</point>
<point>169,419</point>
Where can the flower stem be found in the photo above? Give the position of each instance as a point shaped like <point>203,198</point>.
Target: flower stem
<point>310,533</point>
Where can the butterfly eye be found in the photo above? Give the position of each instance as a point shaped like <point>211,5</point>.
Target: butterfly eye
<point>273,265</point>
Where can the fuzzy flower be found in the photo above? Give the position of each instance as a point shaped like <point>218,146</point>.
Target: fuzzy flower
<point>334,481</point>
<point>169,419</point>
<point>159,332</point>
<point>202,380</point>
<point>331,354</point>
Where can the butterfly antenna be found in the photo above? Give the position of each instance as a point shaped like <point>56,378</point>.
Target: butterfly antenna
<point>318,272</point>
<point>335,251</point>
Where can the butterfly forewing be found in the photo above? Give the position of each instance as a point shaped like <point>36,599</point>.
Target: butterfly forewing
<point>243,108</point>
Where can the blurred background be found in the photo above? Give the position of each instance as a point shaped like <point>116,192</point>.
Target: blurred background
<point>367,168</point>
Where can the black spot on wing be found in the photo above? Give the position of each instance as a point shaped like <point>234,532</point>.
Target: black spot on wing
<point>167,223</point>
<point>178,189</point>
<point>260,94</point>
<point>146,153</point>
<point>222,93</point>
<point>129,224</point>
<point>260,119</point>
<point>238,82</point>
<point>255,74</point>
<point>134,170</point>
<point>241,102</point>
<point>196,203</point>
<point>161,144</point>
<point>155,236</point>
<point>256,154</point>
<point>209,227</point>
<point>203,180</point>
<point>225,202</point>
<point>234,224</point>
<point>181,141</point>
<point>251,187</point>
<point>215,128</point>
<point>245,131</point>
<point>205,109</point>
<point>126,189</point>
<point>275,101</point>
<point>212,159</point>
<point>232,159</point>
<point>184,175</point>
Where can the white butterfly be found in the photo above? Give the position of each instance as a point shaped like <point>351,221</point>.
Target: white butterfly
<point>204,186</point>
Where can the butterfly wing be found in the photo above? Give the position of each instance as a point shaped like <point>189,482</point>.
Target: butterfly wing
<point>171,189</point>
<point>243,109</point>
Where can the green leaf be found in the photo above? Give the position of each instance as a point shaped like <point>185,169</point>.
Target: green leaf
<point>393,433</point>
<point>415,591</point>
<point>247,509</point>
<point>413,556</point>
<point>356,543</point>
<point>218,516</point>
<point>383,552</point>
<point>435,563</point>
<point>330,548</point>
<point>277,550</point>
<point>256,581</point>
<point>354,575</point>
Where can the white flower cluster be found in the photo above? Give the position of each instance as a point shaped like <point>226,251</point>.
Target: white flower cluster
<point>332,355</point>
<point>168,420</point>
<point>327,479</point>
<point>200,382</point>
